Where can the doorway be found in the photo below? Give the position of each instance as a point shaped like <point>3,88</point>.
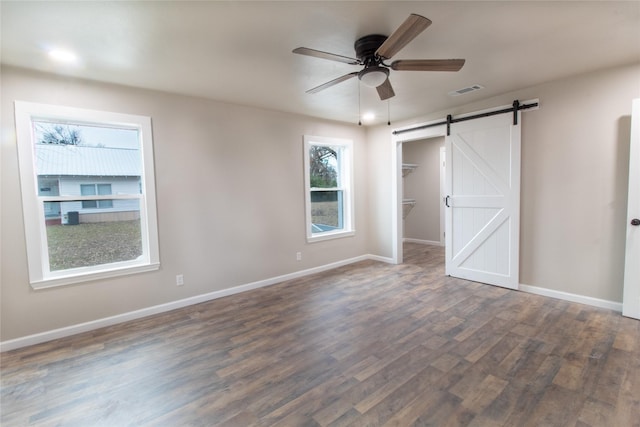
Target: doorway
<point>422,195</point>
<point>397,188</point>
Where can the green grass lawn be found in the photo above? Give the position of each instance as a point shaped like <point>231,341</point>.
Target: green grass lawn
<point>82,245</point>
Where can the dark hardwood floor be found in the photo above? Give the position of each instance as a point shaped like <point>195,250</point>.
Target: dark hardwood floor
<point>364,345</point>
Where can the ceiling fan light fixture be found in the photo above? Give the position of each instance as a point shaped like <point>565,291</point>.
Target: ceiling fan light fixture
<point>373,76</point>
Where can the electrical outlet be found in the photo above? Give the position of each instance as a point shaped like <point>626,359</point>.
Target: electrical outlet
<point>179,280</point>
<point>298,256</point>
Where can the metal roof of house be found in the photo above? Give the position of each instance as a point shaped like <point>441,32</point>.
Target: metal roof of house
<point>81,160</point>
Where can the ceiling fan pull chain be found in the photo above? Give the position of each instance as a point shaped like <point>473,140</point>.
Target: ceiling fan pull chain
<point>359,106</point>
<point>388,112</point>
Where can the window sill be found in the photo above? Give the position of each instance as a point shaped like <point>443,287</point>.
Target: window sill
<point>330,235</point>
<point>95,275</point>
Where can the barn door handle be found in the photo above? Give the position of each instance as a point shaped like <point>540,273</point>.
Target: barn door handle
<point>446,201</point>
<point>635,221</point>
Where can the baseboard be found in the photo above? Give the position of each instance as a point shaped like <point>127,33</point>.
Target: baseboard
<point>595,302</point>
<point>422,242</point>
<point>137,314</point>
<point>380,258</point>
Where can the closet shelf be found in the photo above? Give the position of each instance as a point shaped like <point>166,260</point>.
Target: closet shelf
<point>407,205</point>
<point>407,168</point>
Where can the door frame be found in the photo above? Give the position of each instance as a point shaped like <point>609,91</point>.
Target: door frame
<point>443,190</point>
<point>631,287</point>
<point>396,181</point>
<point>409,135</point>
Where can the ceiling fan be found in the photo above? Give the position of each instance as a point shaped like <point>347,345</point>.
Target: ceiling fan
<point>374,49</point>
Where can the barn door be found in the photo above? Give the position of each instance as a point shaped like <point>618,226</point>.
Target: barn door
<point>483,200</point>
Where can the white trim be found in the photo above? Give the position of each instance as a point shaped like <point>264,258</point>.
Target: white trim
<point>40,274</point>
<point>423,242</point>
<point>631,288</point>
<point>84,275</point>
<point>328,235</point>
<point>581,299</point>
<point>149,311</point>
<point>396,182</point>
<point>345,184</point>
<point>396,200</point>
<point>443,191</point>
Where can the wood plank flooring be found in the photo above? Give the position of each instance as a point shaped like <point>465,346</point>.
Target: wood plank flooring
<point>368,344</point>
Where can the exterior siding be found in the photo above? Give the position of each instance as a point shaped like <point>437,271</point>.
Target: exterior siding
<point>121,209</point>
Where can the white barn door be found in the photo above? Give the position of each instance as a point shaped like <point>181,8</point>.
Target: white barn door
<point>483,200</point>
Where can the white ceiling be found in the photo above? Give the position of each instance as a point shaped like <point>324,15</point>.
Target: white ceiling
<point>240,52</point>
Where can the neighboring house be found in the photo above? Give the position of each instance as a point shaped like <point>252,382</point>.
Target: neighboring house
<point>72,170</point>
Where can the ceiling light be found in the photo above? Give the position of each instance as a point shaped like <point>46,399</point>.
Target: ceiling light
<point>61,55</point>
<point>367,117</point>
<point>373,76</point>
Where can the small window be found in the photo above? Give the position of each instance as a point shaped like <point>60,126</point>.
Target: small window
<point>96,189</point>
<point>88,193</point>
<point>328,171</point>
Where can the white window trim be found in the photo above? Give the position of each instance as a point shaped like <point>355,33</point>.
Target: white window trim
<point>33,209</point>
<point>346,177</point>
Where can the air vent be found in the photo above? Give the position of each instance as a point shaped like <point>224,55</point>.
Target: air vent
<point>465,90</point>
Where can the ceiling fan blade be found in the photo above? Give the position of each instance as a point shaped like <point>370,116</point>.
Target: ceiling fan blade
<point>409,30</point>
<point>427,64</point>
<point>385,91</point>
<point>332,82</point>
<point>326,55</point>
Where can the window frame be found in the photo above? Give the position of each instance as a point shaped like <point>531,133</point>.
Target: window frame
<point>345,185</point>
<point>40,275</point>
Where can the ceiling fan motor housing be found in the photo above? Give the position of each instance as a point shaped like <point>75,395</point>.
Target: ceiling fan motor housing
<point>366,48</point>
<point>373,74</point>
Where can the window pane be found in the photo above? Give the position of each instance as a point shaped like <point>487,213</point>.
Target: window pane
<point>326,211</point>
<point>77,154</point>
<point>87,189</point>
<point>104,189</point>
<point>323,166</point>
<point>93,239</point>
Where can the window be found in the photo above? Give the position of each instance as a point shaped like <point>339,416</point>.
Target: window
<point>88,193</point>
<point>92,190</point>
<point>328,170</point>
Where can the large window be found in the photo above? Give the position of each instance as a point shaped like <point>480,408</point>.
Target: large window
<point>328,165</point>
<point>88,193</point>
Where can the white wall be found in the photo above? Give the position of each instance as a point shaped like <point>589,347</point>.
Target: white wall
<point>243,218</point>
<point>230,196</point>
<point>575,153</point>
